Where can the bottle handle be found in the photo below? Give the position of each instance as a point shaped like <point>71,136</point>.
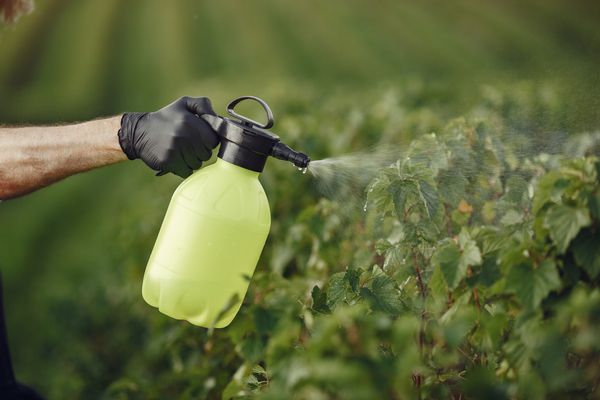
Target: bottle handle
<point>248,121</point>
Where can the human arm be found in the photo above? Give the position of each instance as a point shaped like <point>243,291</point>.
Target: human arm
<point>34,157</point>
<point>173,139</point>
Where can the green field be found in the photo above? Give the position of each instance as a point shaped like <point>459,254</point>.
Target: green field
<point>341,76</point>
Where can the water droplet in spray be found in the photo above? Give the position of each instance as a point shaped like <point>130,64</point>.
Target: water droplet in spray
<point>365,206</point>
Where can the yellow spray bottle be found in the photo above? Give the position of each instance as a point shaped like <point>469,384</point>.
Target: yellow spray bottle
<point>216,225</point>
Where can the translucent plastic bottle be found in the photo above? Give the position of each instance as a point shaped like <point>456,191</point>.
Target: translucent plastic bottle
<point>216,226</point>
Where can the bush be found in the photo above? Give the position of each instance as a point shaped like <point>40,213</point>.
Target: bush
<point>474,272</point>
<point>485,284</point>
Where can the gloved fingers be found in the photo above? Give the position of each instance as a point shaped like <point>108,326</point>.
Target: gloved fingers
<point>182,170</point>
<point>200,151</point>
<point>199,105</point>
<point>188,153</point>
<point>179,167</point>
<point>202,133</point>
<point>173,139</point>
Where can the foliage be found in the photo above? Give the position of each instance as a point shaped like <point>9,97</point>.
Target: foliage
<point>473,273</point>
<point>484,284</point>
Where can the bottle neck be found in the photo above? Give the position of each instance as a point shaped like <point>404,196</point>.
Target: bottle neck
<point>236,169</point>
<point>242,156</point>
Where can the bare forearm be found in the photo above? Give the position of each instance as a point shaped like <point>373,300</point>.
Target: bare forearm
<point>34,157</point>
<point>173,139</point>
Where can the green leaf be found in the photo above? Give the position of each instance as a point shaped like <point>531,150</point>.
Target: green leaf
<point>586,248</point>
<point>265,320</point>
<point>429,197</point>
<point>564,223</point>
<point>490,272</point>
<point>378,193</point>
<point>453,186</point>
<point>491,329</point>
<point>512,217</point>
<point>470,252</point>
<point>408,192</point>
<point>236,387</point>
<point>550,188</point>
<point>457,327</point>
<point>353,277</point>
<point>427,151</point>
<point>531,387</point>
<point>455,259</point>
<point>437,284</point>
<point>338,287</point>
<point>482,383</point>
<point>533,285</point>
<point>492,239</point>
<point>343,287</point>
<point>400,190</point>
<point>385,295</point>
<point>448,259</point>
<point>394,259</point>
<point>252,348</point>
<point>427,231</point>
<point>515,189</point>
<point>319,298</point>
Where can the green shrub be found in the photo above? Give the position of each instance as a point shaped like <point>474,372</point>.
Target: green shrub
<point>484,284</point>
<point>473,272</point>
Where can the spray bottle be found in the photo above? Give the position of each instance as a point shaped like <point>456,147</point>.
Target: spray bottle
<point>216,225</point>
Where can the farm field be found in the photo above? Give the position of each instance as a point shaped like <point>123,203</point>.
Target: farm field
<point>473,271</point>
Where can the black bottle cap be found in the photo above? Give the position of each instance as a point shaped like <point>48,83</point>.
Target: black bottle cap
<point>245,146</point>
<point>247,143</point>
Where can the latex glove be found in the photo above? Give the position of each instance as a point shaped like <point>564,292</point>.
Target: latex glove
<point>173,139</point>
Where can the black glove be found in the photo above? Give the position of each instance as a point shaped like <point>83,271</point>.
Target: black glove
<point>173,139</point>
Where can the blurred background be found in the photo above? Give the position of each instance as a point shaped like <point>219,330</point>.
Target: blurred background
<point>72,255</point>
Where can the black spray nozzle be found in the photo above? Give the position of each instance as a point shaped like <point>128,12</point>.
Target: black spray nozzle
<point>283,152</point>
<point>247,143</point>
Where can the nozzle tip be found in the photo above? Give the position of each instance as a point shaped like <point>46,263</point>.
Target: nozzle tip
<point>284,152</point>
<point>300,160</point>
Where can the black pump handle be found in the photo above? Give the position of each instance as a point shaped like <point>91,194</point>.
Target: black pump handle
<point>245,120</point>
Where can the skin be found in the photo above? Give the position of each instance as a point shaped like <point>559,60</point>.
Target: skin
<point>34,157</point>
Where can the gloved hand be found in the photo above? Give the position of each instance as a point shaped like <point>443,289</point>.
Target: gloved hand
<point>173,139</point>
